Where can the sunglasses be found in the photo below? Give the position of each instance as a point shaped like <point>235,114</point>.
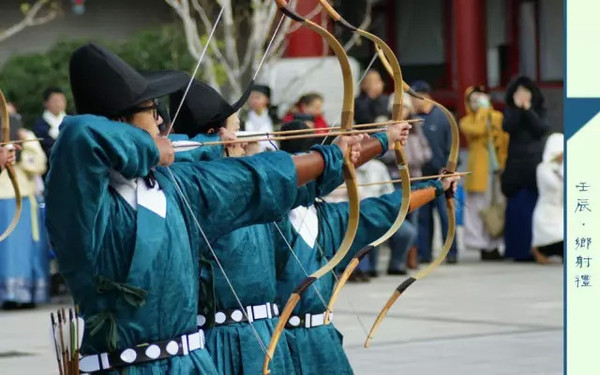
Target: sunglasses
<point>153,108</point>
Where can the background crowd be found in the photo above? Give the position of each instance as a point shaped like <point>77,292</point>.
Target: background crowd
<point>513,199</point>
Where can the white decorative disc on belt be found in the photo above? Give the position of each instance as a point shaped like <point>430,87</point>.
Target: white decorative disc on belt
<point>275,309</point>
<point>200,320</point>
<point>128,356</point>
<point>172,348</point>
<point>220,317</point>
<point>237,315</point>
<point>153,351</point>
<point>295,321</point>
<point>330,316</point>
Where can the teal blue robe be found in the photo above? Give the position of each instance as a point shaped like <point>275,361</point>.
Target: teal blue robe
<point>133,273</point>
<point>247,256</point>
<point>318,350</point>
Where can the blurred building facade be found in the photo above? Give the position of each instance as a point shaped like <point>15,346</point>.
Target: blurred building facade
<point>457,43</point>
<point>450,43</point>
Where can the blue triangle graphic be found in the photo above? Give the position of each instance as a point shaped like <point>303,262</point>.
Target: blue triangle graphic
<point>579,112</point>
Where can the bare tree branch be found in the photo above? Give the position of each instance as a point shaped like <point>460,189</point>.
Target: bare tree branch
<point>263,17</point>
<point>31,18</point>
<point>181,7</point>
<point>208,25</point>
<point>255,43</point>
<point>229,32</point>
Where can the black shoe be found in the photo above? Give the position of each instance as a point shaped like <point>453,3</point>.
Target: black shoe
<point>397,272</point>
<point>353,278</point>
<point>524,260</point>
<point>358,276</point>
<point>363,277</point>
<point>373,273</point>
<point>493,255</point>
<point>10,305</point>
<point>451,259</point>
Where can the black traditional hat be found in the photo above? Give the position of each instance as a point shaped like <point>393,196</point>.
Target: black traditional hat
<point>263,89</point>
<point>203,109</point>
<point>295,146</point>
<point>104,84</point>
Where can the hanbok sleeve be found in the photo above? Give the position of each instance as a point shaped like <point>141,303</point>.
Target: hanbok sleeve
<point>231,193</point>
<point>376,216</point>
<point>88,147</point>
<point>332,176</point>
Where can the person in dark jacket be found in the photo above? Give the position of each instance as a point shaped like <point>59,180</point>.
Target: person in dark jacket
<point>371,105</point>
<point>439,136</point>
<point>524,121</point>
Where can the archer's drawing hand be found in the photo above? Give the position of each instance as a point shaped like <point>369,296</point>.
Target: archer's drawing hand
<point>166,151</point>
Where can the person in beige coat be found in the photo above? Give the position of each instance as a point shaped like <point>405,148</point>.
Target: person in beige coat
<point>23,258</point>
<point>487,143</point>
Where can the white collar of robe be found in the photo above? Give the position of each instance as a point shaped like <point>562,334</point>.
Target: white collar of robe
<point>306,222</point>
<point>135,192</point>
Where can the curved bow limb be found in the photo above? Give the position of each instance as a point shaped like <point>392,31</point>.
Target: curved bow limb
<point>349,177</point>
<point>5,128</point>
<point>450,168</point>
<point>396,73</point>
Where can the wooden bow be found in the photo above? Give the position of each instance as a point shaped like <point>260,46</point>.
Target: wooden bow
<point>397,108</point>
<point>450,168</point>
<point>349,177</point>
<point>5,129</point>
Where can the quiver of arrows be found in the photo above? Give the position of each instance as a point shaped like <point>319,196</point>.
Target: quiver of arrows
<point>66,333</point>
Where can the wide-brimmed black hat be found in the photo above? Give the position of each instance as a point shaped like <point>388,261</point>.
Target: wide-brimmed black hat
<point>203,108</point>
<point>104,84</point>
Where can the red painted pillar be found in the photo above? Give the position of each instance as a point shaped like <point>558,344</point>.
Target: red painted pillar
<point>304,42</point>
<point>471,55</point>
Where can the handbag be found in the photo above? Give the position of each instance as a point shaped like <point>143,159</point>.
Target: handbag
<point>493,217</point>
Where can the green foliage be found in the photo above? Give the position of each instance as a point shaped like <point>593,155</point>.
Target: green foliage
<point>24,77</point>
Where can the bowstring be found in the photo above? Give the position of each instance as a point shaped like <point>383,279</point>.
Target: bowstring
<point>301,265</point>
<point>275,223</point>
<point>319,248</point>
<point>182,196</point>
<point>323,142</point>
<point>355,88</point>
<point>196,68</point>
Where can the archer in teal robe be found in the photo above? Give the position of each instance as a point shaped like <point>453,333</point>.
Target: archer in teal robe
<point>248,258</point>
<point>318,350</point>
<point>134,272</point>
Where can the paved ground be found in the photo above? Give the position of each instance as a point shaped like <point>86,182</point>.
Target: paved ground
<point>470,318</point>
